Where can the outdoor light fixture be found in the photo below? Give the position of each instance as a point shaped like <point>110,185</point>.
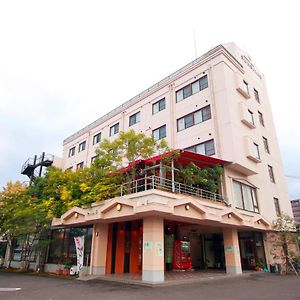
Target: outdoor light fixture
<point>119,207</point>
<point>97,233</point>
<point>229,215</point>
<point>187,207</point>
<point>258,222</point>
<point>76,215</point>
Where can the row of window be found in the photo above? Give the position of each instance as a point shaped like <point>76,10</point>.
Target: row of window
<point>194,118</point>
<point>192,88</point>
<point>250,117</point>
<point>256,95</point>
<point>256,151</point>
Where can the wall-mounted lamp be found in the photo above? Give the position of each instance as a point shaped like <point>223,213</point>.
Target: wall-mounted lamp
<point>76,215</point>
<point>97,233</point>
<point>229,215</point>
<point>258,221</point>
<point>187,207</point>
<point>119,207</point>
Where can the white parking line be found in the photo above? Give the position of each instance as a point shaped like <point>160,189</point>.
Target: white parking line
<point>9,289</point>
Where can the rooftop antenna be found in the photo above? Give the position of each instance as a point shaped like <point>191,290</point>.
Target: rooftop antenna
<point>195,44</point>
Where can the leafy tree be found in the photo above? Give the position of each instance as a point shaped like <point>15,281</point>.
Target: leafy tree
<point>129,147</point>
<point>204,178</point>
<point>285,237</point>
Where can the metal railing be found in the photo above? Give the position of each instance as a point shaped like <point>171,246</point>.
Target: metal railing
<point>154,182</point>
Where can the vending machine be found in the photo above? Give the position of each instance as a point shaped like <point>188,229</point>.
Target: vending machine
<point>182,255</point>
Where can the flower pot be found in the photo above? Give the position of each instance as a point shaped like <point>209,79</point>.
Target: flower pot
<point>66,272</point>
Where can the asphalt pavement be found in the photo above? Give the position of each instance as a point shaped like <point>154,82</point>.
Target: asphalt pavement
<point>255,286</point>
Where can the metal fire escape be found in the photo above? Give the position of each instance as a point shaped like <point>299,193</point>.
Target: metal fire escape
<point>29,168</point>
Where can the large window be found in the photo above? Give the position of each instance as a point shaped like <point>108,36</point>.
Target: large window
<point>194,118</point>
<point>271,173</point>
<point>160,133</point>
<point>97,138</point>
<point>245,196</point>
<point>136,118</point>
<point>158,106</point>
<point>72,151</point>
<point>192,88</point>
<point>206,148</point>
<point>114,129</point>
<point>82,146</point>
<point>62,246</point>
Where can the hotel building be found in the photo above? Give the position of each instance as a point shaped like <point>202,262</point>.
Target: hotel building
<point>218,107</point>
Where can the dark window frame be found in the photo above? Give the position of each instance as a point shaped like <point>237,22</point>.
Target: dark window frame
<point>271,173</point>
<point>266,145</point>
<point>82,146</point>
<point>277,206</point>
<point>261,118</point>
<point>72,151</point>
<point>115,128</point>
<point>159,132</point>
<point>204,115</point>
<point>80,165</point>
<point>97,138</point>
<point>133,118</point>
<point>256,95</point>
<point>161,104</point>
<point>206,144</point>
<point>187,90</point>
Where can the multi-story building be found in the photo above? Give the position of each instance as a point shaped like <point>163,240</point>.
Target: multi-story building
<point>296,212</point>
<point>216,106</point>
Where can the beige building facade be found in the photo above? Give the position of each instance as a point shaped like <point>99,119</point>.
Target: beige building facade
<point>216,106</point>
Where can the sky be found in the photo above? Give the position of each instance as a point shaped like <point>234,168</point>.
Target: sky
<point>64,64</point>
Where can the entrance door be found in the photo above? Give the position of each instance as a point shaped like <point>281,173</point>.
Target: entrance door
<point>251,249</point>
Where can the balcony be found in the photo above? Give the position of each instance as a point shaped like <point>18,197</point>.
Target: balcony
<point>159,183</point>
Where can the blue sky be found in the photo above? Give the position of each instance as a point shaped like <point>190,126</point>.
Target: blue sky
<point>63,64</point>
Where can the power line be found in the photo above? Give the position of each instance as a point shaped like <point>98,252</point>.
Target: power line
<point>292,176</point>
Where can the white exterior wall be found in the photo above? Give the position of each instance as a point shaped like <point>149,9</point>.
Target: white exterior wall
<point>232,137</point>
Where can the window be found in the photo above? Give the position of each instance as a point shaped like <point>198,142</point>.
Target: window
<point>245,196</point>
<point>135,118</point>
<point>79,166</point>
<point>246,86</point>
<point>206,148</point>
<point>82,146</point>
<point>72,151</point>
<point>194,118</point>
<point>97,138</point>
<point>160,133</point>
<point>192,88</point>
<point>261,118</point>
<point>158,106</point>
<point>94,158</point>
<point>70,168</point>
<point>256,95</point>
<point>266,144</point>
<point>250,117</point>
<point>114,129</point>
<point>271,173</point>
<point>256,151</point>
<point>277,206</point>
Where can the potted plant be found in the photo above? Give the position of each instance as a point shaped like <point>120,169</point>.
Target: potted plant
<point>67,266</point>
